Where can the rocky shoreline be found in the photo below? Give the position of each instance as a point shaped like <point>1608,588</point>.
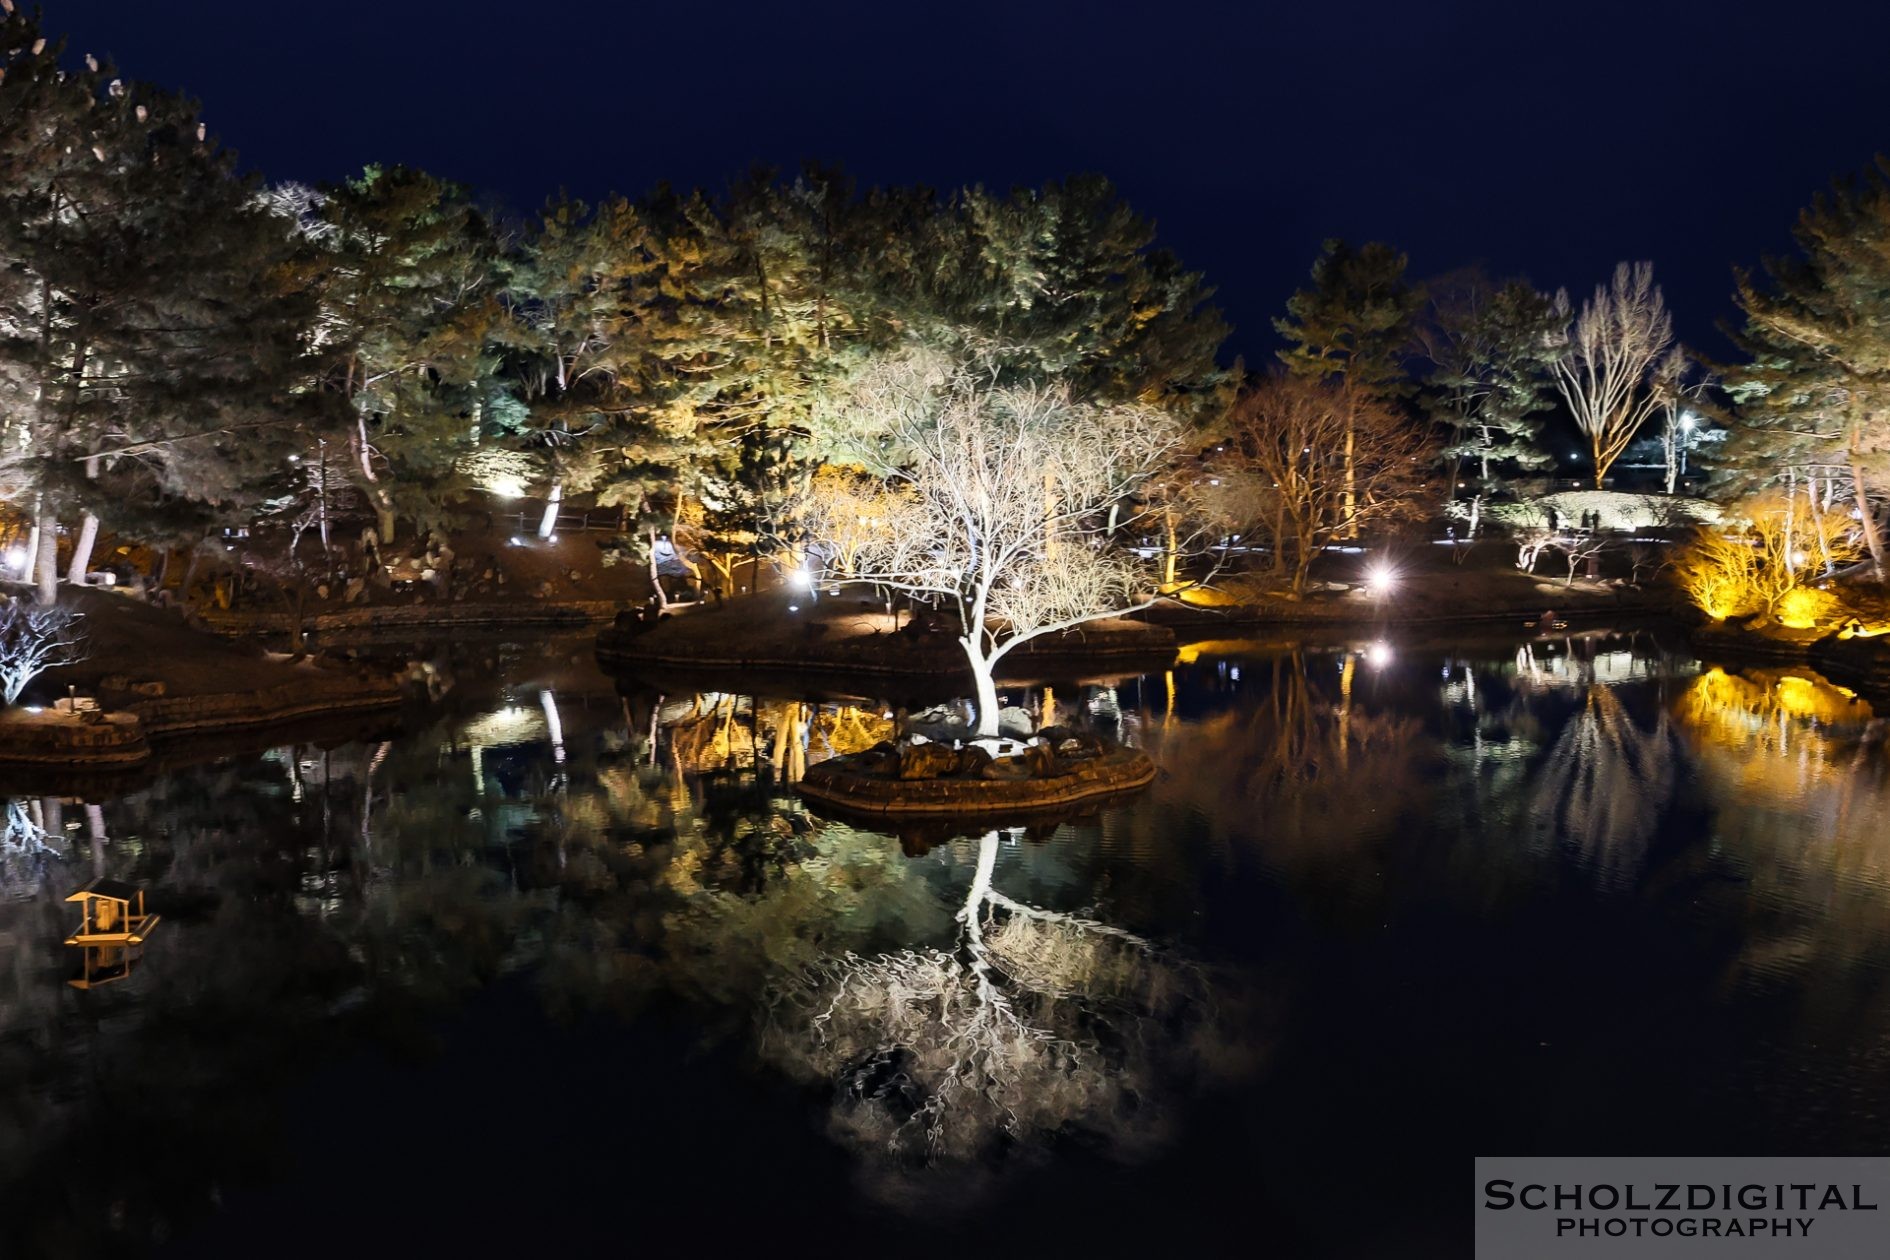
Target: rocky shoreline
<point>128,734</point>
<point>147,678</point>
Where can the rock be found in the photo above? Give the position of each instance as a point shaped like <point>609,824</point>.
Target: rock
<point>1006,768</point>
<point>148,687</point>
<point>1042,762</point>
<point>1014,722</point>
<point>927,761</point>
<point>939,722</point>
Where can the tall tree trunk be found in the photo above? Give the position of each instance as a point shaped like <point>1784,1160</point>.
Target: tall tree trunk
<point>1350,529</point>
<point>88,534</point>
<point>48,562</point>
<point>321,493</point>
<point>82,550</point>
<point>1171,548</point>
<point>31,556</point>
<point>548,523</point>
<point>1873,532</point>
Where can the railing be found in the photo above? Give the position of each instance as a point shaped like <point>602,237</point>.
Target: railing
<point>611,520</point>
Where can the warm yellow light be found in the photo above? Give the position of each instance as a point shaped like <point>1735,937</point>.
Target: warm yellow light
<point>1804,608</point>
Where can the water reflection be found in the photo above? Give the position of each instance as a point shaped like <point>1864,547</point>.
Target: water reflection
<point>1354,851</point>
<point>1029,1024</point>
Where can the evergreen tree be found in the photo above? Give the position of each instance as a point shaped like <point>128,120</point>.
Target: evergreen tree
<point>1066,283</point>
<point>157,334</point>
<point>1353,327</point>
<point>1813,398</point>
<point>1490,349</point>
<point>1354,324</point>
<point>584,367</point>
<point>409,307</point>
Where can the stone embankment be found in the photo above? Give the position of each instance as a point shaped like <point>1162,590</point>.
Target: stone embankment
<point>886,782</point>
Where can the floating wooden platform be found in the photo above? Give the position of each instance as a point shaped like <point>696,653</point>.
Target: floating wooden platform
<point>113,914</point>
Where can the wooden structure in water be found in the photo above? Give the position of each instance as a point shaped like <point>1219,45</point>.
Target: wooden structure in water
<point>113,913</point>
<point>102,964</point>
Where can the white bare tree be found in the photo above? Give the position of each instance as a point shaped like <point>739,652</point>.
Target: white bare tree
<point>33,640</point>
<point>1002,501</point>
<point>1677,389</point>
<point>1614,347</point>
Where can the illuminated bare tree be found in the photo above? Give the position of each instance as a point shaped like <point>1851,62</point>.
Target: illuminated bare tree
<point>1000,501</point>
<point>1322,463</point>
<point>33,640</point>
<point>1614,347</point>
<point>849,513</point>
<point>1677,390</point>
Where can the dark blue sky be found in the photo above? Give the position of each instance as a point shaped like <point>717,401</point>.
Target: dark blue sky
<point>1541,138</point>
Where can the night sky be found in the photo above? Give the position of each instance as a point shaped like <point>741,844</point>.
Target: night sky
<point>1542,139</point>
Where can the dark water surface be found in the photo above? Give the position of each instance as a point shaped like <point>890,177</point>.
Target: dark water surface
<point>563,962</point>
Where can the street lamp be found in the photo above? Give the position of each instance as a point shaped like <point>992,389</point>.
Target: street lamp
<point>1687,421</point>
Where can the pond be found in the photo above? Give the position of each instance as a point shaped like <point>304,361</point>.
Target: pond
<point>563,961</point>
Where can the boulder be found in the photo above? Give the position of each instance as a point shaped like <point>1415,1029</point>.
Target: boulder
<point>1072,743</point>
<point>939,722</point>
<point>1015,723</point>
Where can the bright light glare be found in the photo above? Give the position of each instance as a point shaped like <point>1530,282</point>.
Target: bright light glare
<point>516,541</point>
<point>802,578</point>
<point>1380,579</point>
<point>16,558</point>
<point>1378,655</point>
<point>506,487</point>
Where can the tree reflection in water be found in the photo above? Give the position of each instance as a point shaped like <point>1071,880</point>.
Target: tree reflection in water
<point>1606,784</point>
<point>1030,1024</point>
<point>1308,758</point>
<point>1801,772</point>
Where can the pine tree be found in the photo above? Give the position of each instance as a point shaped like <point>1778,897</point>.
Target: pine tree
<point>1490,350</point>
<point>1353,327</point>
<point>409,305</point>
<point>584,368</point>
<point>159,331</point>
<point>1814,396</point>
